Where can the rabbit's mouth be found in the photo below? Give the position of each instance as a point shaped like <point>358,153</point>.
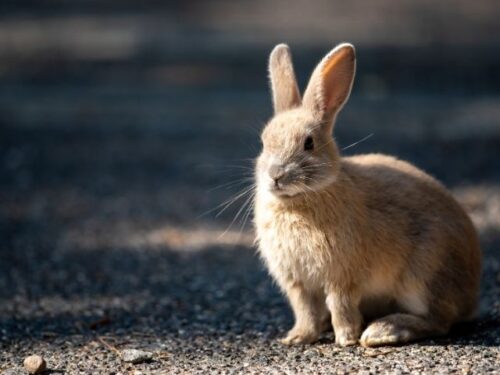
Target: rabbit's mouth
<point>300,186</point>
<point>290,179</point>
<point>278,188</point>
<point>286,190</point>
<point>282,194</point>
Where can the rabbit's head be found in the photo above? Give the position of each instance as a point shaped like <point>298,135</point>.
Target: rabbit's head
<point>299,154</point>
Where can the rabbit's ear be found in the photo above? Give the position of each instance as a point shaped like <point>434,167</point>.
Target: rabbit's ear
<point>331,82</point>
<point>284,87</point>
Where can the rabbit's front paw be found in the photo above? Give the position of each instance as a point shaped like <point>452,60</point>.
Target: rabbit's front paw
<point>299,336</point>
<point>346,337</point>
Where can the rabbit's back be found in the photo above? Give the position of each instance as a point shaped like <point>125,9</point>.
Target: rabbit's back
<point>398,194</point>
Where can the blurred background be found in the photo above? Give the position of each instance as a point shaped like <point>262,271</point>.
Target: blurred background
<point>124,124</point>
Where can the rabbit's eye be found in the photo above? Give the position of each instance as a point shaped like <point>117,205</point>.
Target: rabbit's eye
<point>309,144</point>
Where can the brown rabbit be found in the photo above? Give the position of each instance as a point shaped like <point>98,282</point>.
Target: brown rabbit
<point>354,239</point>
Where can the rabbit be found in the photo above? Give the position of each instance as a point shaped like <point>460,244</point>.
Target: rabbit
<point>368,244</point>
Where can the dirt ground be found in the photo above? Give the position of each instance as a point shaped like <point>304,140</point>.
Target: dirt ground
<point>119,135</point>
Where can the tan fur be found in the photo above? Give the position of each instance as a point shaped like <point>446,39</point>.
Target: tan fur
<point>282,78</point>
<point>360,237</point>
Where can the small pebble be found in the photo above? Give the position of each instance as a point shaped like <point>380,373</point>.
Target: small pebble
<point>136,356</point>
<point>309,353</point>
<point>35,364</point>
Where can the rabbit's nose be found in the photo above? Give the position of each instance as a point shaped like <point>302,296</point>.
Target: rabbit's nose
<point>276,172</point>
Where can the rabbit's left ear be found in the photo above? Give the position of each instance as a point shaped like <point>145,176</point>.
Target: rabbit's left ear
<point>331,82</point>
<point>284,87</point>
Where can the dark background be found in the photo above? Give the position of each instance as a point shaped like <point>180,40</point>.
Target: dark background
<point>119,120</point>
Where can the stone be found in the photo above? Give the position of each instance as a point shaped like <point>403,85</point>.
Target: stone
<point>35,364</point>
<point>136,356</point>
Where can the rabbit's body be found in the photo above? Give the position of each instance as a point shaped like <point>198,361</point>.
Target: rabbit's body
<point>400,258</point>
<point>356,238</point>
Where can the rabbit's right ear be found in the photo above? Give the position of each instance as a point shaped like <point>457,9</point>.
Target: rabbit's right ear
<point>331,82</point>
<point>284,87</point>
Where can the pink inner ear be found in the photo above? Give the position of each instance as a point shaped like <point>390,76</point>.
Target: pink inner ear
<point>337,74</point>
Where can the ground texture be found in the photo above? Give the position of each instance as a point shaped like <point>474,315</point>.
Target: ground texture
<point>111,161</point>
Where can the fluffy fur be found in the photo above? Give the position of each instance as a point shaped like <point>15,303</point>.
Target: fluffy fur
<point>355,240</point>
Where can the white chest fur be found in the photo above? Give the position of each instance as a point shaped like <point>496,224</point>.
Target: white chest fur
<point>293,248</point>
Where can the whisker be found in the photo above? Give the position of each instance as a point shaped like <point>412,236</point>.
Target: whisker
<point>236,166</point>
<point>323,145</point>
<point>229,201</point>
<point>231,184</point>
<point>358,142</point>
<point>231,167</point>
<point>310,189</point>
<point>235,199</point>
<point>302,186</point>
<point>316,165</point>
<point>247,201</point>
<point>248,212</point>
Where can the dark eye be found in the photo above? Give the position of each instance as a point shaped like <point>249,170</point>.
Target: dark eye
<point>309,144</point>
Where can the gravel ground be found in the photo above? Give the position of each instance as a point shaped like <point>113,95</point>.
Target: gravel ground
<point>110,169</point>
